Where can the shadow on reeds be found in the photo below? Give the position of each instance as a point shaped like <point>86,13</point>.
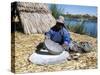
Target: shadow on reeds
<point>41,49</point>
<point>16,24</point>
<point>13,52</point>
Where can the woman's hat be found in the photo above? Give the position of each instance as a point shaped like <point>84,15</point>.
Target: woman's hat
<point>60,19</point>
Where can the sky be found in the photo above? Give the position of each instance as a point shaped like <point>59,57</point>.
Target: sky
<point>76,9</point>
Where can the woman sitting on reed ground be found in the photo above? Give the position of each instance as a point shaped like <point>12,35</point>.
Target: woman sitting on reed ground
<point>59,33</point>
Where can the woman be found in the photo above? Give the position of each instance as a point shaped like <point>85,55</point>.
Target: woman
<point>59,33</point>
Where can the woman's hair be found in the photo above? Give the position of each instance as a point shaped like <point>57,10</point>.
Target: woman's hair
<point>61,24</point>
<point>58,26</point>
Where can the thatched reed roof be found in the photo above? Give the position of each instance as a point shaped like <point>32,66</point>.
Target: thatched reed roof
<point>33,7</point>
<point>35,17</point>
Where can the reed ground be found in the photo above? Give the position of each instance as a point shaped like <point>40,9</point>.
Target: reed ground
<point>25,45</point>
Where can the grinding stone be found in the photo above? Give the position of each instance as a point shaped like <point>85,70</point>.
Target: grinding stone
<point>53,47</point>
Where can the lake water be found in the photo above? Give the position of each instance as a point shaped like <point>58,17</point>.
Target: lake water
<point>90,26</point>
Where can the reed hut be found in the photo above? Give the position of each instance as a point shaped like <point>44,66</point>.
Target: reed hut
<point>33,17</point>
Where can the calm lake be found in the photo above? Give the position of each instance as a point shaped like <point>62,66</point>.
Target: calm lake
<point>90,26</point>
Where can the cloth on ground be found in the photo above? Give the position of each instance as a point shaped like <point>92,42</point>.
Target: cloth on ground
<point>40,59</point>
<point>80,46</point>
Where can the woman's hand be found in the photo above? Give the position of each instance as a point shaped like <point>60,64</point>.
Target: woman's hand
<point>47,37</point>
<point>65,46</point>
